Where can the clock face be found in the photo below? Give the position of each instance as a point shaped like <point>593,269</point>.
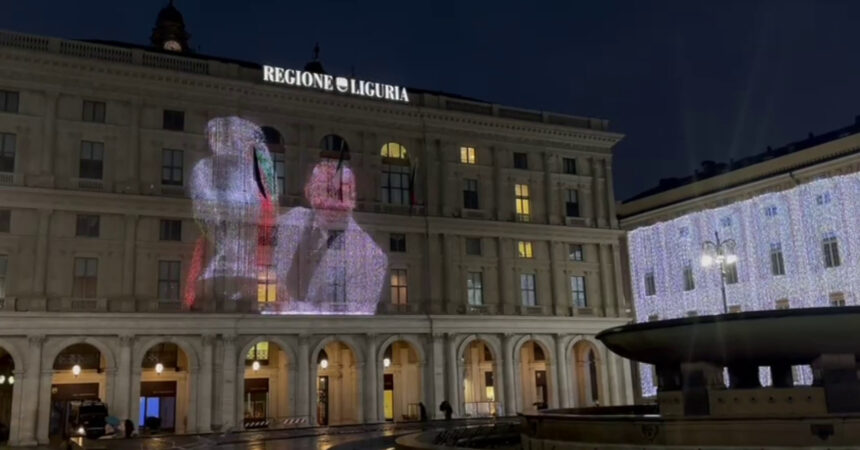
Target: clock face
<point>173,46</point>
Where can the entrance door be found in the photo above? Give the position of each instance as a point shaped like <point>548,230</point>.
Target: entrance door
<point>63,398</point>
<point>388,395</point>
<point>158,405</point>
<point>322,400</point>
<point>540,389</point>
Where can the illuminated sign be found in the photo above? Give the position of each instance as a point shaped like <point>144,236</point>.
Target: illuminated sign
<point>329,83</point>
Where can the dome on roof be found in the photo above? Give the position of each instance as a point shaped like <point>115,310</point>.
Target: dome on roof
<point>169,31</point>
<point>314,65</point>
<point>169,14</point>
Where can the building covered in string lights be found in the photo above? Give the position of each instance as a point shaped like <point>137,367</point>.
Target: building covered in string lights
<point>791,214</point>
<point>208,244</point>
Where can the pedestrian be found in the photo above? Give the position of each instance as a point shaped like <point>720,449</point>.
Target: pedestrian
<point>128,428</point>
<point>423,411</point>
<point>446,408</point>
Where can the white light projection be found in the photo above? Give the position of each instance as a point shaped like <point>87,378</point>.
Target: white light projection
<point>796,222</point>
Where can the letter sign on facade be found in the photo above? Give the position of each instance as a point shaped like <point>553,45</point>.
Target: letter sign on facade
<point>329,83</point>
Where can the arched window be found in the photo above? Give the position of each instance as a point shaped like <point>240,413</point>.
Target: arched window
<point>396,175</point>
<point>272,136</point>
<point>334,146</point>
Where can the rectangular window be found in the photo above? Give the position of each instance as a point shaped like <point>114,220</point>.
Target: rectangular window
<point>170,230</point>
<point>731,273</point>
<point>467,155</point>
<point>782,304</point>
<point>650,284</point>
<point>726,221</point>
<point>577,289</point>
<point>173,120</point>
<point>92,160</point>
<point>93,111</point>
<point>5,220</point>
<point>85,277</point>
<point>267,286</point>
<point>397,242</point>
<point>280,172</point>
<point>475,288</point>
<point>395,184</point>
<point>398,287</point>
<point>831,251</point>
<point>524,249</point>
<point>8,143</point>
<point>770,211</point>
<point>523,203</point>
<point>837,299</point>
<point>9,101</point>
<point>689,281</point>
<point>570,166</point>
<point>521,161</point>
<point>168,280</point>
<point>4,265</point>
<point>172,162</point>
<point>777,263</point>
<point>822,199</point>
<point>87,225</point>
<point>473,246</point>
<point>470,193</point>
<point>338,284</point>
<point>527,289</point>
<point>571,203</point>
<point>575,253</point>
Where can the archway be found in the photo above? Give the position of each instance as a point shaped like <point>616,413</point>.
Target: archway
<point>338,401</point>
<point>7,382</point>
<point>588,374</point>
<point>534,376</point>
<point>165,390</point>
<point>401,382</point>
<point>78,393</point>
<point>479,380</point>
<point>265,389</point>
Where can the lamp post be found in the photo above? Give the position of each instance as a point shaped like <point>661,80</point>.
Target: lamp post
<point>721,253</point>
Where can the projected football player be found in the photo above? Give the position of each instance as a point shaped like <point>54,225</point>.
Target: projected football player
<point>325,262</point>
<point>233,192</point>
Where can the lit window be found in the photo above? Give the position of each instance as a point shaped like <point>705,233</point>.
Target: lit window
<point>93,111</point>
<point>7,152</point>
<point>87,225</point>
<point>782,303</point>
<point>731,273</point>
<point>569,166</point>
<point>85,277</point>
<point>92,160</point>
<point>171,167</point>
<point>575,253</point>
<point>577,289</point>
<point>258,352</point>
<point>473,246</point>
<point>524,249</point>
<point>470,193</point>
<point>397,242</point>
<point>689,281</point>
<point>168,280</point>
<point>527,289</point>
<point>173,120</point>
<point>398,286</point>
<point>9,101</point>
<point>467,155</point>
<point>734,308</point>
<point>650,284</point>
<point>837,299</point>
<point>475,288</point>
<point>523,204</point>
<point>393,150</point>
<point>777,263</point>
<point>831,251</point>
<point>267,287</point>
<point>571,203</point>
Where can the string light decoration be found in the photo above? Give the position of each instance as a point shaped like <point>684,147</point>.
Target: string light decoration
<point>233,192</point>
<point>325,262</point>
<point>797,247</point>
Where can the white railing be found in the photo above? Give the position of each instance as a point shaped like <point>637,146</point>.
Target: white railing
<point>96,51</point>
<point>25,41</point>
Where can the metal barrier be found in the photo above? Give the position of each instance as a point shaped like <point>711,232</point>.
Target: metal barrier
<point>482,409</point>
<point>273,423</point>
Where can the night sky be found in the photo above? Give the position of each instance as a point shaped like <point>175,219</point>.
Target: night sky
<point>684,80</point>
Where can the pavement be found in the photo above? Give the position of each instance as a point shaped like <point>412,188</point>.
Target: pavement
<point>347,437</point>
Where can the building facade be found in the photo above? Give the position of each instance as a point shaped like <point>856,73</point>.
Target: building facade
<point>786,217</point>
<point>498,227</point>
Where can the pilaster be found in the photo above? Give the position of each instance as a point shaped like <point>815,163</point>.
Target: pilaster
<point>562,367</point>
<point>509,377</point>
<point>230,370</point>
<point>32,379</point>
<point>204,388</point>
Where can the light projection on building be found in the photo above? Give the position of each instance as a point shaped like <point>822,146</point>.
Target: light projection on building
<point>796,248</point>
<point>313,260</point>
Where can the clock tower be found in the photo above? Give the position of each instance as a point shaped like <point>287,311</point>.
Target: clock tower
<point>169,32</point>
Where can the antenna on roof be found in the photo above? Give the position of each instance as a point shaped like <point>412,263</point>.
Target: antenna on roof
<point>317,51</point>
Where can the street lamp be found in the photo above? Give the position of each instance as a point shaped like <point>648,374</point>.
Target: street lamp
<point>719,253</point>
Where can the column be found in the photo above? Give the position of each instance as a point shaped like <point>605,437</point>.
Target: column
<point>15,420</point>
<point>128,256</point>
<point>436,375</point>
<point>628,381</point>
<point>30,390</point>
<point>615,378</point>
<point>562,366</point>
<point>40,266</point>
<point>122,398</point>
<point>304,387</point>
<point>228,405</point>
<point>453,382</point>
<point>509,378</point>
<point>372,393</point>
<point>204,388</point>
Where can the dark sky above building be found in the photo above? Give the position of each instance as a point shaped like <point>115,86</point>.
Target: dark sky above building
<point>684,80</point>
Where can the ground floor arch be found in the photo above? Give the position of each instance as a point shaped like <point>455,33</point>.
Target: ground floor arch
<point>534,375</point>
<point>338,399</point>
<point>588,373</point>
<point>166,399</point>
<point>401,385</point>
<point>480,375</point>
<point>78,388</point>
<point>266,379</point>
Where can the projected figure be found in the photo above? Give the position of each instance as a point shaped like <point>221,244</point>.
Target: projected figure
<point>233,193</point>
<point>325,262</point>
